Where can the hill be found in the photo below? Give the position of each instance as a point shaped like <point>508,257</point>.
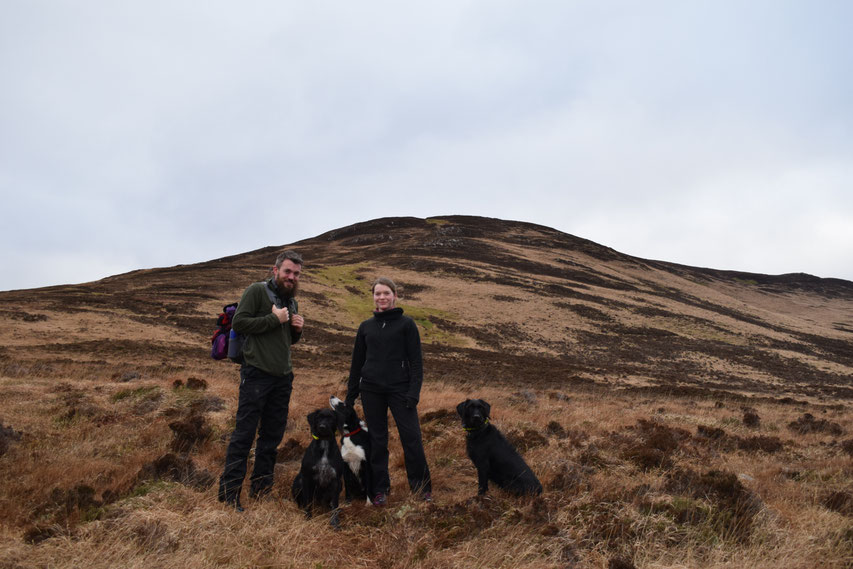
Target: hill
<point>615,373</point>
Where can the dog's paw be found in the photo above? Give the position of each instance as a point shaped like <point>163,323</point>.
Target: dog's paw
<point>482,499</point>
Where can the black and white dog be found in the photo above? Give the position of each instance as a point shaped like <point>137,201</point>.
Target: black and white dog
<point>355,449</point>
<point>493,455</point>
<point>318,482</point>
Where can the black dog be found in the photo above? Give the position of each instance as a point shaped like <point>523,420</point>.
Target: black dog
<point>319,480</point>
<point>492,454</point>
<point>355,450</point>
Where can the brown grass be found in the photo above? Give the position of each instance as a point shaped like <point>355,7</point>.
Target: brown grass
<point>625,482</point>
<point>676,417</point>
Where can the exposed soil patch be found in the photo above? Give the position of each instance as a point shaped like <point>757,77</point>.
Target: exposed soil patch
<point>190,433</point>
<point>761,443</point>
<point>809,424</point>
<point>652,444</point>
<point>196,384</point>
<point>586,311</point>
<point>841,502</point>
<point>505,298</point>
<point>64,508</point>
<point>569,479</point>
<point>458,522</point>
<point>292,449</point>
<point>177,468</point>
<point>130,349</point>
<point>22,316</point>
<point>751,418</point>
<point>620,563</point>
<point>526,439</point>
<point>734,507</point>
<point>8,436</point>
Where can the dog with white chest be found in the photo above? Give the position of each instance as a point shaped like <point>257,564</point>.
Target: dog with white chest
<point>355,450</point>
<point>318,483</point>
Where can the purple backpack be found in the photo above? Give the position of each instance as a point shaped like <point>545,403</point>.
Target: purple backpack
<point>219,341</point>
<point>225,341</point>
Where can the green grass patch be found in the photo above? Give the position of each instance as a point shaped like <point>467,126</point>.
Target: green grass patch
<point>430,333</point>
<point>356,306</point>
<point>92,513</point>
<point>185,397</point>
<point>338,276</point>
<point>352,292</point>
<point>149,486</point>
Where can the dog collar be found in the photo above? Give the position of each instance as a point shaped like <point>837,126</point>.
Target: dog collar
<point>469,429</point>
<point>351,433</point>
<point>316,438</point>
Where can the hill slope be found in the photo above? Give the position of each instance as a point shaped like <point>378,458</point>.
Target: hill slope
<point>497,301</point>
<point>676,416</point>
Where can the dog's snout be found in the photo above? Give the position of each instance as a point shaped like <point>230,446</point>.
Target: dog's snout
<point>476,418</point>
<point>325,427</point>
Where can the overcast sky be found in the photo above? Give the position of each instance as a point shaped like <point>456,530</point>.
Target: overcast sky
<point>149,134</point>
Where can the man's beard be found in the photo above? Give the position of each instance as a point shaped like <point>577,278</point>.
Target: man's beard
<point>285,292</point>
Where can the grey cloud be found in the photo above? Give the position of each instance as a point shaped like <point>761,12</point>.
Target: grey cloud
<point>663,128</point>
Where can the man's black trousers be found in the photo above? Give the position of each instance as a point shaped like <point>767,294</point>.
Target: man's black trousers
<point>376,406</point>
<point>262,408</point>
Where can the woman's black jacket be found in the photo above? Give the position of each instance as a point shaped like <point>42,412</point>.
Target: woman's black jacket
<point>387,356</point>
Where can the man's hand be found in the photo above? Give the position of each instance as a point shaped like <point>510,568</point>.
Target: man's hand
<point>281,313</point>
<point>297,322</point>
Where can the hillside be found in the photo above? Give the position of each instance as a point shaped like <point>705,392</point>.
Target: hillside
<point>489,296</point>
<point>96,376</point>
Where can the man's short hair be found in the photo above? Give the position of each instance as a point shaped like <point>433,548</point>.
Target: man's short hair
<point>291,256</point>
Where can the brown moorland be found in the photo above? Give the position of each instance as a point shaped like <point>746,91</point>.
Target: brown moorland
<point>677,416</point>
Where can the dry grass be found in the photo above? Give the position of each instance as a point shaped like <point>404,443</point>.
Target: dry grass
<point>626,478</point>
<point>677,418</point>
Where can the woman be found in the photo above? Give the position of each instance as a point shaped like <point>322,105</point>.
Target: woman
<point>387,371</point>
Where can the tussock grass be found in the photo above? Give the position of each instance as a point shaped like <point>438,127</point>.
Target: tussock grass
<point>675,417</point>
<point>657,482</point>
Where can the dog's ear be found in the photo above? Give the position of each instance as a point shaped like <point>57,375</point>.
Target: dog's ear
<point>461,408</point>
<point>487,409</point>
<point>341,420</point>
<point>312,417</point>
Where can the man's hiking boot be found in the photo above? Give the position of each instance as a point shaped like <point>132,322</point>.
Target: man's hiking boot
<point>230,500</point>
<point>234,503</point>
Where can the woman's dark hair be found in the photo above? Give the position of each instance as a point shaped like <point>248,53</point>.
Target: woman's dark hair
<point>384,281</point>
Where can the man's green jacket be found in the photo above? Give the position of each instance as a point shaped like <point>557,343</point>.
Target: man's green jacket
<point>268,341</point>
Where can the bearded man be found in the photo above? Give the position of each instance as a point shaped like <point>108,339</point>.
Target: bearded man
<point>267,316</point>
